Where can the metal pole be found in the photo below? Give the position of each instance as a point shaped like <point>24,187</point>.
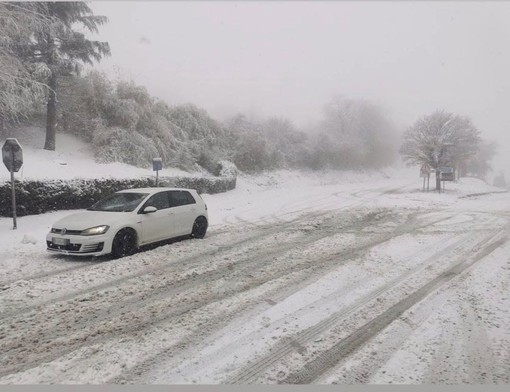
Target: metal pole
<point>14,225</point>
<point>157,178</point>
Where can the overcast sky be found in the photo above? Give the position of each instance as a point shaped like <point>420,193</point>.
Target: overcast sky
<point>290,58</point>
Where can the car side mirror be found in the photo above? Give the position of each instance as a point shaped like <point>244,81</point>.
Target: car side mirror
<point>149,210</point>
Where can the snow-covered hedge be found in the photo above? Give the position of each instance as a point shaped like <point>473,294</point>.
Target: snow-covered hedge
<point>227,169</point>
<point>36,197</point>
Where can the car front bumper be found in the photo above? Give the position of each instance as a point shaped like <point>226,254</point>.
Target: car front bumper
<point>79,245</point>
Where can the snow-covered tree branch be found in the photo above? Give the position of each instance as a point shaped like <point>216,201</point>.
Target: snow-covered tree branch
<point>440,139</point>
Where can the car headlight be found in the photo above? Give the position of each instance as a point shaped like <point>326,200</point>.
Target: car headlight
<point>95,230</point>
<point>53,230</point>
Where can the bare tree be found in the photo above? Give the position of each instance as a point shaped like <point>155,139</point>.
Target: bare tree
<point>359,134</point>
<point>440,139</point>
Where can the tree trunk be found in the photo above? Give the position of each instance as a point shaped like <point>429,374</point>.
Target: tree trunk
<point>2,127</point>
<point>51,113</point>
<point>438,181</point>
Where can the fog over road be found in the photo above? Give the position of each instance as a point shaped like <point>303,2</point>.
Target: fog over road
<point>337,286</point>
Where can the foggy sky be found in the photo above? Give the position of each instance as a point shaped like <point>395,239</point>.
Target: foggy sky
<point>290,58</point>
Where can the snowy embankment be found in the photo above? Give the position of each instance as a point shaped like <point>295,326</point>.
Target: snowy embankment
<point>72,158</point>
<point>331,277</point>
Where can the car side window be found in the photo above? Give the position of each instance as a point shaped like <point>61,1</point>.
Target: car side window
<point>180,198</point>
<point>159,200</point>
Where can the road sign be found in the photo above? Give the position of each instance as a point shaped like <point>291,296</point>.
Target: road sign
<point>157,165</point>
<point>446,174</point>
<point>12,155</point>
<point>425,170</point>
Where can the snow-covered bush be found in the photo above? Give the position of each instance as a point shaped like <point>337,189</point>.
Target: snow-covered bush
<point>227,169</point>
<point>126,116</point>
<point>254,153</point>
<point>120,145</point>
<point>266,145</point>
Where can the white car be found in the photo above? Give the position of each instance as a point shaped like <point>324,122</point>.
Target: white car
<point>126,220</point>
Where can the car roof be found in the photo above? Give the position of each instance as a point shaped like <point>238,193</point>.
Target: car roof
<point>153,190</point>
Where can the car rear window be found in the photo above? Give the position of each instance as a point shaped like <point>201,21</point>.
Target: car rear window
<point>180,198</point>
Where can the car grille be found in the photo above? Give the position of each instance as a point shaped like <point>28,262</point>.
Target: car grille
<point>69,232</point>
<point>69,247</point>
<point>90,248</point>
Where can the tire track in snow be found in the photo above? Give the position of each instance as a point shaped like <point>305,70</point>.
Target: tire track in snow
<point>329,358</point>
<point>185,262</point>
<point>89,262</point>
<point>274,227</point>
<point>324,266</point>
<point>316,202</point>
<point>53,272</point>
<point>251,373</point>
<point>280,294</point>
<point>265,257</point>
<point>138,326</point>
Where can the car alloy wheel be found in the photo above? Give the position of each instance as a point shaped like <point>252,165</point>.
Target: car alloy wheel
<point>199,227</point>
<point>124,243</point>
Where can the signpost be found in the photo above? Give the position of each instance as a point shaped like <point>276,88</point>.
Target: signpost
<point>446,174</point>
<point>157,165</point>
<point>425,173</point>
<point>12,155</point>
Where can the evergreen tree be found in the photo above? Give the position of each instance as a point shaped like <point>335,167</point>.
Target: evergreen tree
<point>21,82</point>
<point>63,49</point>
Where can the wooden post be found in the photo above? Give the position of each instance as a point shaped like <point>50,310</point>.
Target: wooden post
<point>14,224</point>
<point>438,181</point>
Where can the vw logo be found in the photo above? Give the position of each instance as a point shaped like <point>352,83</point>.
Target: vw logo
<point>64,231</point>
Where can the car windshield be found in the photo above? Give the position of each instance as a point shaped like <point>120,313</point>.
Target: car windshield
<point>119,202</point>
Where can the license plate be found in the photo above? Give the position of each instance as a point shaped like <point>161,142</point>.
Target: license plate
<point>60,241</point>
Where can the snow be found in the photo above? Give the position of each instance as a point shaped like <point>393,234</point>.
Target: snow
<point>463,324</point>
<point>290,257</point>
<point>72,158</point>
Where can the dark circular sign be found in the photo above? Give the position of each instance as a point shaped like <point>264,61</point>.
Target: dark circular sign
<point>12,155</point>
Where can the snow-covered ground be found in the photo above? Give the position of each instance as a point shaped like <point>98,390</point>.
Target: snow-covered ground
<point>72,158</point>
<point>334,277</point>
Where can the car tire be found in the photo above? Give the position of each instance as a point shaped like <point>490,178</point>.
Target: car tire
<point>124,243</point>
<point>199,227</point>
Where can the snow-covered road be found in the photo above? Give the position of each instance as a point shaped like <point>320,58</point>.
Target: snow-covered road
<point>305,279</point>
